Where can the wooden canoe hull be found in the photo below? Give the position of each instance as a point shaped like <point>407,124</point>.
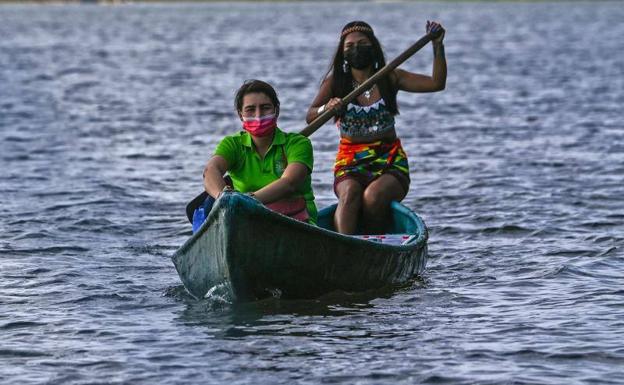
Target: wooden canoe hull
<point>252,252</point>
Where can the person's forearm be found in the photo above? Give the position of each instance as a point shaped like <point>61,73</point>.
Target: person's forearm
<point>213,181</point>
<point>277,190</point>
<point>314,112</point>
<point>439,66</point>
<point>311,114</point>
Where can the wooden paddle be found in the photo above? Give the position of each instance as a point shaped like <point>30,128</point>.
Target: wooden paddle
<point>325,116</point>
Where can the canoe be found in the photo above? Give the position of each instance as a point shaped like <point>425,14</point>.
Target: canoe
<point>247,252</point>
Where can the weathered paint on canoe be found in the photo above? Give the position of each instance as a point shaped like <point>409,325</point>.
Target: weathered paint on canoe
<point>254,252</point>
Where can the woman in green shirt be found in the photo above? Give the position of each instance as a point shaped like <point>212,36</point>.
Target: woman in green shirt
<point>271,165</point>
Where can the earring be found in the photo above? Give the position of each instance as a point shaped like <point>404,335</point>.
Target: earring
<point>345,66</point>
<point>376,66</point>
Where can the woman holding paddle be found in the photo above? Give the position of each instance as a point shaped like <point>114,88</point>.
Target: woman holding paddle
<point>268,164</point>
<point>371,168</point>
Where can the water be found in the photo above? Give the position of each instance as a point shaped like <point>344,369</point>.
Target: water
<point>107,115</point>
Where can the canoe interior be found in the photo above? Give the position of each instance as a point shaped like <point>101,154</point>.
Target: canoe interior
<point>403,220</point>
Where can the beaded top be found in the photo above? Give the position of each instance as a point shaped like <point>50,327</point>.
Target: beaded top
<point>366,121</point>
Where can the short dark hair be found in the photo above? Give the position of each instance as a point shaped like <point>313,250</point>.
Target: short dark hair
<point>254,85</point>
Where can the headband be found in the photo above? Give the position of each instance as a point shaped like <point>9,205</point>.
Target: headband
<point>356,28</point>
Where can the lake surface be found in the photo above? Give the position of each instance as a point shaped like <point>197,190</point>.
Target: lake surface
<point>108,114</point>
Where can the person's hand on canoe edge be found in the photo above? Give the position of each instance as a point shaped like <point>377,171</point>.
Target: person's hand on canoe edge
<point>436,29</point>
<point>226,189</point>
<point>253,196</point>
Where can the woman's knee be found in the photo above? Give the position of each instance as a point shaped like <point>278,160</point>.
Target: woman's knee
<point>374,202</point>
<point>349,192</point>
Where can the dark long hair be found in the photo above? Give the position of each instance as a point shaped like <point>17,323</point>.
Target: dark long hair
<point>343,82</point>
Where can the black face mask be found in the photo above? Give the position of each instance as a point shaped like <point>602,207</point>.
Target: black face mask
<point>360,56</point>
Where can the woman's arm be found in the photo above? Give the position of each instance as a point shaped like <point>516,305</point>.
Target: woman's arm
<point>213,175</point>
<point>412,82</point>
<point>292,178</point>
<point>323,101</point>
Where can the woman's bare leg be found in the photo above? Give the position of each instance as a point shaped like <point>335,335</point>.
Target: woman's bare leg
<point>376,203</point>
<point>349,193</point>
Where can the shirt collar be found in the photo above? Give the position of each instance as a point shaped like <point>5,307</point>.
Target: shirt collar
<point>278,138</point>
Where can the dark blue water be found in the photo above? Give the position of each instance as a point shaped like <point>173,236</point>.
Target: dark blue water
<point>107,115</point>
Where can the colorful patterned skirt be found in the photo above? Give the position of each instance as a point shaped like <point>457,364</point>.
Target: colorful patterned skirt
<point>365,162</point>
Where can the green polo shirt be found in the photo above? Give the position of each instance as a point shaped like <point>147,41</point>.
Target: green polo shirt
<point>251,173</point>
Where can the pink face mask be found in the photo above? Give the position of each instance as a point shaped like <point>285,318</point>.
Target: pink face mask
<point>262,126</point>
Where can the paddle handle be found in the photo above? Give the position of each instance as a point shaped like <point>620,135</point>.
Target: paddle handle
<point>325,116</point>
